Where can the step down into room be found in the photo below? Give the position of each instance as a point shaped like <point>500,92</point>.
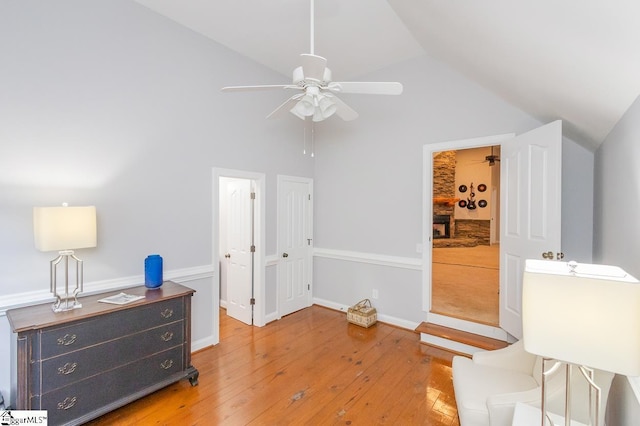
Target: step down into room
<point>457,341</point>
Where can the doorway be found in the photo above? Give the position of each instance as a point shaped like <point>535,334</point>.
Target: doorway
<point>530,218</point>
<point>465,257</point>
<point>220,233</point>
<point>237,247</point>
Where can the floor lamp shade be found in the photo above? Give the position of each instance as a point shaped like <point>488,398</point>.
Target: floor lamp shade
<point>64,228</point>
<point>582,314</point>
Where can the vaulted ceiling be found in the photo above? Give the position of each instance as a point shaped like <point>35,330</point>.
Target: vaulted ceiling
<point>575,60</point>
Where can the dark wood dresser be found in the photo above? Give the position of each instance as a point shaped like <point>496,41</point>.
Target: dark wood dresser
<point>81,364</point>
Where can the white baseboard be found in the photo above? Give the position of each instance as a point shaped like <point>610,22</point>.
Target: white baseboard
<point>387,319</point>
<point>271,317</point>
<point>202,343</point>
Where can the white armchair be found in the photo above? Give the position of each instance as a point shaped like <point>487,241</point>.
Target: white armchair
<point>488,386</point>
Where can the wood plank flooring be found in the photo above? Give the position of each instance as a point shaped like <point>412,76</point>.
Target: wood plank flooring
<point>309,368</point>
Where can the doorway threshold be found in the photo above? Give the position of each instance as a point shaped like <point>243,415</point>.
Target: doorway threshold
<point>453,327</point>
<point>456,340</point>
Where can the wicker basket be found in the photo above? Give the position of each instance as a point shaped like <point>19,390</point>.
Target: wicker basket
<point>362,314</point>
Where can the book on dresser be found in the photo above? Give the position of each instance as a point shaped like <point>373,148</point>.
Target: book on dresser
<point>83,363</point>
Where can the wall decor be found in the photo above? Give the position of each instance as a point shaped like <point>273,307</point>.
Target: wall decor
<point>462,188</point>
<point>482,203</point>
<point>471,202</point>
<point>462,203</point>
<point>482,187</point>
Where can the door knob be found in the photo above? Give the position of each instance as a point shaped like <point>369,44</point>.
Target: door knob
<point>285,254</point>
<point>228,256</point>
<point>547,255</point>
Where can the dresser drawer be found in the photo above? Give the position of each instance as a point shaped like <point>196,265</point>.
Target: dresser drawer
<point>73,401</point>
<point>72,367</point>
<point>57,341</point>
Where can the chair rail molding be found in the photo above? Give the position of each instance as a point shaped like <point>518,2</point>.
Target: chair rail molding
<point>179,276</point>
<point>413,263</point>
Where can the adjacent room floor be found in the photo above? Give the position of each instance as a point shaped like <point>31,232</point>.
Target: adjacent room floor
<point>465,283</point>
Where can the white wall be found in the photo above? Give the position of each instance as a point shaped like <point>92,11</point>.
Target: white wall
<point>368,184</point>
<point>577,202</point>
<point>617,195</point>
<point>617,229</point>
<point>107,103</point>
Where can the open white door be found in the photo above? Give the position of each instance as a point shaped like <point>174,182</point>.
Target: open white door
<point>295,237</point>
<point>531,178</point>
<point>238,257</point>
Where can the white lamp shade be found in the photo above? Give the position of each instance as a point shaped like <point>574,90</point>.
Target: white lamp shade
<point>64,228</point>
<point>589,317</point>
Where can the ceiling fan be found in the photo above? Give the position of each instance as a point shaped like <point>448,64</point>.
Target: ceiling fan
<point>491,159</point>
<point>316,92</point>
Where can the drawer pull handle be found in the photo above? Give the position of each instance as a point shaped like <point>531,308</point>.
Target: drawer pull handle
<point>67,339</point>
<point>67,403</point>
<point>167,313</point>
<point>166,364</point>
<point>68,368</point>
<point>167,336</point>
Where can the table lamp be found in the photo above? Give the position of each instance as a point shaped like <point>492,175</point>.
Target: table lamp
<point>64,229</point>
<point>583,315</point>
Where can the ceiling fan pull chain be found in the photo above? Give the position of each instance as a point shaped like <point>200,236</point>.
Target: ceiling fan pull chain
<point>313,137</point>
<point>304,150</point>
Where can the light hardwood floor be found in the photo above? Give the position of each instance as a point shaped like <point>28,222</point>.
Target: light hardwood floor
<point>465,283</point>
<point>309,368</point>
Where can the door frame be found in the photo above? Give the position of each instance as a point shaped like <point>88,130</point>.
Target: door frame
<point>259,257</point>
<point>427,226</point>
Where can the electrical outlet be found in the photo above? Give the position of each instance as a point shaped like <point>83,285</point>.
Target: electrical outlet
<point>375,294</point>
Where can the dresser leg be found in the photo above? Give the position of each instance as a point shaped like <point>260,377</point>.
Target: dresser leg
<point>193,376</point>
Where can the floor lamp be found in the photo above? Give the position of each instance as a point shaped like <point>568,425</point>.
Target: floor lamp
<point>586,316</point>
<point>64,229</point>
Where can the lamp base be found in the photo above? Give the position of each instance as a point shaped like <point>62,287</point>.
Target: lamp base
<point>68,300</point>
<point>66,305</point>
<point>594,396</point>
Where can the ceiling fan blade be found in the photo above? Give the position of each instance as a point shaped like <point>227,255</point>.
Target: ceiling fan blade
<point>255,88</point>
<point>343,110</point>
<point>366,87</point>
<point>313,66</point>
<point>285,107</point>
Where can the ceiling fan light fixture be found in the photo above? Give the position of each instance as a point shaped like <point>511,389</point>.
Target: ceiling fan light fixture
<point>317,116</point>
<point>327,75</point>
<point>305,107</point>
<point>298,75</point>
<point>327,106</point>
<point>313,82</point>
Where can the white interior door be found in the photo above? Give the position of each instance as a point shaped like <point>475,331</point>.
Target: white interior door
<point>238,256</point>
<point>295,242</point>
<point>531,178</point>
